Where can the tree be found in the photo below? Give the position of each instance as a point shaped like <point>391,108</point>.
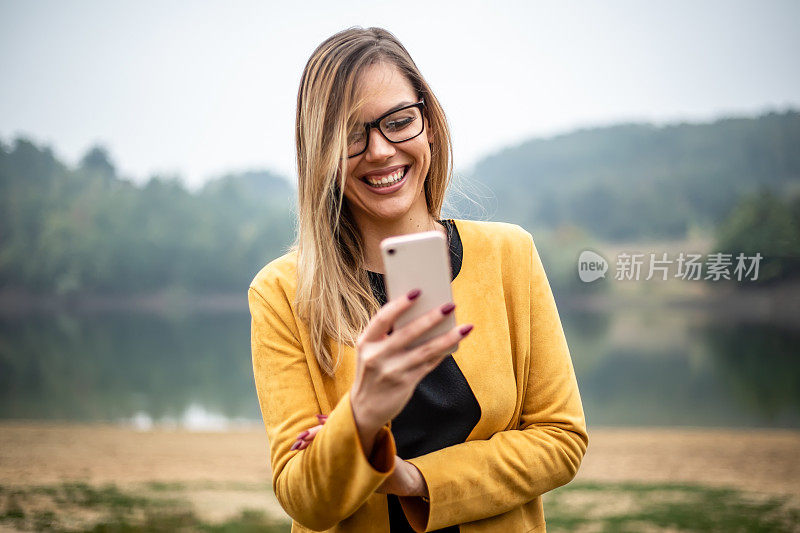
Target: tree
<point>766,224</point>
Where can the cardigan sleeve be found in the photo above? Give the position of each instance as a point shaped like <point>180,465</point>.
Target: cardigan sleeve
<point>483,478</point>
<point>325,483</point>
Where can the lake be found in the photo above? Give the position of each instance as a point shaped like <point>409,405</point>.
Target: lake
<point>634,368</point>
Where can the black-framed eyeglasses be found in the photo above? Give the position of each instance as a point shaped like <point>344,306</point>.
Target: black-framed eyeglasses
<point>396,126</point>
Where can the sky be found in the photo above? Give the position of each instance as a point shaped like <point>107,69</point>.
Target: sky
<point>196,89</point>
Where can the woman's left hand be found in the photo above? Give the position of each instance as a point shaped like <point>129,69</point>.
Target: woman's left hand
<point>405,480</point>
<point>305,438</point>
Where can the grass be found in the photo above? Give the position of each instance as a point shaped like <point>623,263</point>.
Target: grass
<point>595,507</point>
<point>68,507</point>
<point>248,521</point>
<point>635,507</point>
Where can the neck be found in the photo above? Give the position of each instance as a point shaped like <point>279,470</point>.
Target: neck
<point>374,231</point>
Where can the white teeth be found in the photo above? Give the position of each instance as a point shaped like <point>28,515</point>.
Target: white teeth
<point>391,179</point>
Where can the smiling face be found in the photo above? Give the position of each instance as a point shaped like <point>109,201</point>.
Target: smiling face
<point>402,167</point>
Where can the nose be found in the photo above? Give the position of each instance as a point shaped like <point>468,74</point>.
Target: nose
<point>378,148</point>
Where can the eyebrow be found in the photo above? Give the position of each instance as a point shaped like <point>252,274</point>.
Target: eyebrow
<point>392,109</point>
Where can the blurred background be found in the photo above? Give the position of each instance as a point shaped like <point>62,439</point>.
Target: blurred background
<point>147,173</point>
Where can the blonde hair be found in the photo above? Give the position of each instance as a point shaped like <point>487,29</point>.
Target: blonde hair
<point>333,290</point>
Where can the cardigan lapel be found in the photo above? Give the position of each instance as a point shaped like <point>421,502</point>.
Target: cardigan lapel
<point>484,357</point>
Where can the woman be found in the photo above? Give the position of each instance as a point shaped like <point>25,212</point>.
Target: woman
<point>403,438</point>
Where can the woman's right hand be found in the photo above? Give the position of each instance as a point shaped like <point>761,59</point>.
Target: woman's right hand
<point>387,370</point>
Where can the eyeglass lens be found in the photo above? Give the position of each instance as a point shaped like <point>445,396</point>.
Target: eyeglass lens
<point>400,126</point>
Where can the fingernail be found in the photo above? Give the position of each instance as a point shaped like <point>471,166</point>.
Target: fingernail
<point>413,294</point>
<point>303,435</point>
<point>296,445</point>
<point>448,308</point>
<point>466,329</point>
<point>322,417</point>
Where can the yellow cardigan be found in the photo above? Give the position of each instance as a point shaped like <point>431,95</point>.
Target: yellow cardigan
<point>530,438</point>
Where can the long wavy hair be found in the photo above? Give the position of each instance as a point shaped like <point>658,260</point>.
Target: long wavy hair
<point>333,291</point>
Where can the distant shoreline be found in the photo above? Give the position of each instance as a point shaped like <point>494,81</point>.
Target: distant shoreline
<point>15,303</point>
<point>778,304</point>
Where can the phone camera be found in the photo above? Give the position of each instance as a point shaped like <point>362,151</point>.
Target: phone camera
<point>391,251</point>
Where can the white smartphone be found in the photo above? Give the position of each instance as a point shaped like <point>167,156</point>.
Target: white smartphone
<point>419,261</point>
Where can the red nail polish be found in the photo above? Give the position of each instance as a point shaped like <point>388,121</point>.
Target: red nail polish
<point>303,435</point>
<point>413,294</point>
<point>466,329</point>
<point>322,417</point>
<point>448,308</point>
<point>296,445</point>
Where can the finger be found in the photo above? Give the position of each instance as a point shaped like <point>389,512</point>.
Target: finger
<point>322,418</point>
<point>382,321</point>
<point>411,331</point>
<point>312,433</point>
<point>303,445</point>
<point>436,349</point>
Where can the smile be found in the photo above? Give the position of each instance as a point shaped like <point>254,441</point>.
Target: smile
<point>386,181</point>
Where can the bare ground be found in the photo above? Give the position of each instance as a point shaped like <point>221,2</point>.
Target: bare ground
<point>222,473</point>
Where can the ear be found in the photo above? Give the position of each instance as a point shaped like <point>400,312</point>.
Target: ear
<point>431,131</point>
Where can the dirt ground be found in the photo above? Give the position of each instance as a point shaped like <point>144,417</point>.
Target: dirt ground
<point>222,472</point>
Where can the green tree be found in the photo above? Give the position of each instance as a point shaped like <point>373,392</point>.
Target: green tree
<point>765,223</point>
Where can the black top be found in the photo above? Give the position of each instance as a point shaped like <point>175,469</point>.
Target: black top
<point>442,411</point>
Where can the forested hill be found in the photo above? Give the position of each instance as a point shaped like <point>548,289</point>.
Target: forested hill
<point>640,180</point>
<point>67,230</point>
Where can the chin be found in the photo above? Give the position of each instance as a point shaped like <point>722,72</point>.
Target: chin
<point>389,215</point>
<point>385,209</point>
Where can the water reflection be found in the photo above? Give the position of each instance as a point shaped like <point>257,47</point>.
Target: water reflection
<point>634,368</point>
<point>669,367</point>
<point>760,368</point>
<point>195,418</point>
<point>104,368</point>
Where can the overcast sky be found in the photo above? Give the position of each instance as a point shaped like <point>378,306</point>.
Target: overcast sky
<point>199,88</point>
